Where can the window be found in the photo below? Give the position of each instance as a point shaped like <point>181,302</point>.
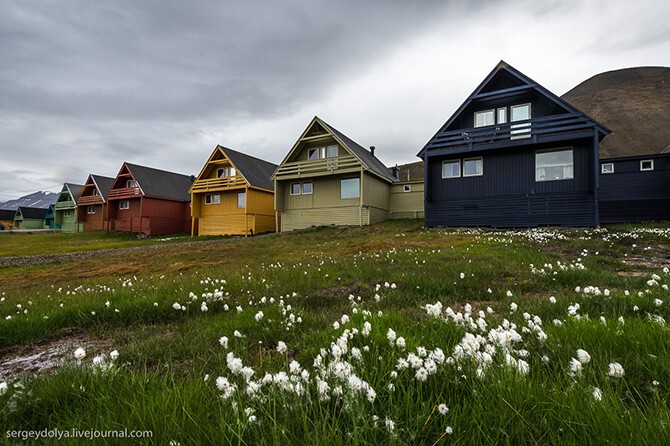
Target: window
<point>484,118</point>
<point>647,165</point>
<point>451,169</point>
<point>502,115</point>
<point>407,188</point>
<point>95,192</point>
<point>225,172</point>
<point>212,199</point>
<point>67,213</point>
<point>332,151</point>
<point>473,167</point>
<point>322,152</point>
<point>90,210</point>
<point>520,113</point>
<point>295,188</point>
<point>553,165</point>
<point>607,168</point>
<point>131,183</point>
<point>313,154</point>
<point>242,199</point>
<point>350,188</point>
<point>124,204</point>
<point>307,188</point>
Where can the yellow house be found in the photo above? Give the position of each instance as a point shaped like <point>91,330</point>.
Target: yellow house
<point>233,195</point>
<point>327,178</point>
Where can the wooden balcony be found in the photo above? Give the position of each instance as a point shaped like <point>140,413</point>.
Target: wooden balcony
<point>63,205</point>
<point>544,129</point>
<point>89,200</point>
<point>218,184</point>
<point>124,192</point>
<point>313,168</point>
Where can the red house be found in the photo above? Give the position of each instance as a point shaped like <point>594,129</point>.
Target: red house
<point>92,204</point>
<point>149,201</point>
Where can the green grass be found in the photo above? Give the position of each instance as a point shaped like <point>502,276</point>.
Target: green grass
<point>384,275</point>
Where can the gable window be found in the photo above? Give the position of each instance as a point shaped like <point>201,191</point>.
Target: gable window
<point>212,199</point>
<point>484,118</point>
<point>322,152</point>
<point>331,151</point>
<point>124,204</point>
<point>225,172</point>
<point>90,210</point>
<point>502,115</point>
<point>350,188</point>
<point>241,200</point>
<point>307,188</point>
<point>607,168</point>
<point>473,167</point>
<point>131,183</point>
<point>407,188</point>
<point>95,192</point>
<point>552,165</point>
<point>451,169</point>
<point>646,165</point>
<point>313,154</point>
<point>295,188</point>
<point>520,112</point>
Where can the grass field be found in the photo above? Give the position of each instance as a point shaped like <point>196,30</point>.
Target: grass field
<point>388,334</point>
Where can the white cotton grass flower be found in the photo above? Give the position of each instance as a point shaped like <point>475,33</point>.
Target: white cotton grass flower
<point>509,293</point>
<point>597,394</point>
<point>80,353</point>
<point>281,347</point>
<point>583,356</point>
<point>449,430</point>
<point>114,355</point>
<point>237,334</point>
<point>259,316</point>
<point>391,335</point>
<point>575,367</point>
<point>3,387</point>
<point>223,340</point>
<point>390,425</point>
<point>400,342</point>
<point>176,306</point>
<point>616,370</point>
<point>513,306</point>
<point>443,409</point>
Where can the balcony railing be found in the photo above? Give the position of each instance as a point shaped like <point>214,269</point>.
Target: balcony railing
<point>519,131</point>
<point>89,200</point>
<point>216,184</point>
<point>61,205</point>
<point>317,167</point>
<point>124,192</point>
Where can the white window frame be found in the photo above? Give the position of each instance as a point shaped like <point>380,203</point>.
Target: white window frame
<point>67,213</point>
<point>519,131</point>
<point>501,111</point>
<point>451,162</point>
<point>130,184</point>
<point>481,159</point>
<point>95,192</point>
<point>124,205</point>
<point>646,169</point>
<point>557,149</point>
<point>358,195</point>
<point>334,148</point>
<point>407,188</point>
<point>492,111</point>
<point>606,168</point>
<point>311,183</point>
<point>90,210</point>
<point>313,150</point>
<point>291,189</point>
<point>212,199</point>
<point>244,204</point>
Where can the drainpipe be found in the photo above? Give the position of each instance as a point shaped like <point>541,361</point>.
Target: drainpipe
<point>596,184</point>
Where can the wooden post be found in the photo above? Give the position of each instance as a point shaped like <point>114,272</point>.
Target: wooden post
<point>360,198</point>
<point>192,226</point>
<point>246,214</point>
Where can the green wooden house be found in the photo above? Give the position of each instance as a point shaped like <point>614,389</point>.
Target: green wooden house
<point>65,215</point>
<point>327,178</point>
<point>49,218</point>
<point>29,218</point>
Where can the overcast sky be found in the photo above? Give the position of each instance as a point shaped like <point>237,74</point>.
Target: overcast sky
<point>86,85</point>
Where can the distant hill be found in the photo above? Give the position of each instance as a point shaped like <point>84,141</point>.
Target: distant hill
<point>35,200</point>
<point>634,103</point>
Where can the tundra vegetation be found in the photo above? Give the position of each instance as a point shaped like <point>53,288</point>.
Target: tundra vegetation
<point>388,334</point>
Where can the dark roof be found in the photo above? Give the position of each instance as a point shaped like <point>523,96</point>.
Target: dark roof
<point>160,183</point>
<point>75,190</point>
<point>33,213</point>
<point>255,170</point>
<point>104,184</point>
<point>7,214</point>
<point>371,161</point>
<point>409,172</point>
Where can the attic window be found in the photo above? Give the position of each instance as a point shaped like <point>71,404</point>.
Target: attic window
<point>407,188</point>
<point>607,168</point>
<point>95,192</point>
<point>131,183</point>
<point>646,165</point>
<point>484,118</point>
<point>322,152</point>
<point>225,172</point>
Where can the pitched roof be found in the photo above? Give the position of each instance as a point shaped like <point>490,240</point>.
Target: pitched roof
<point>33,213</point>
<point>104,184</point>
<point>75,190</point>
<point>161,183</point>
<point>7,214</point>
<point>409,172</point>
<point>256,171</point>
<point>367,158</point>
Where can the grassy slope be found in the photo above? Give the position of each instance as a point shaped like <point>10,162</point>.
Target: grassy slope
<point>158,381</point>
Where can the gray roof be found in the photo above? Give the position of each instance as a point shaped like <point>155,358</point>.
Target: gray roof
<point>7,214</point>
<point>33,213</point>
<point>371,161</point>
<point>410,172</point>
<point>255,170</point>
<point>160,183</point>
<point>104,184</point>
<point>75,190</point>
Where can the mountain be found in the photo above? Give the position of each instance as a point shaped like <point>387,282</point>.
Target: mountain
<point>634,103</point>
<point>35,200</point>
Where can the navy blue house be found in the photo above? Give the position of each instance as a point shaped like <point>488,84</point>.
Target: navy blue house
<point>635,188</point>
<point>513,155</point>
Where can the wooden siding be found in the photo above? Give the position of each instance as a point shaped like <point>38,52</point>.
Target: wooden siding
<point>631,195</point>
<point>406,204</point>
<point>375,192</point>
<point>326,193</point>
<point>29,223</point>
<point>226,218</point>
<point>150,216</point>
<point>93,222</point>
<point>306,217</point>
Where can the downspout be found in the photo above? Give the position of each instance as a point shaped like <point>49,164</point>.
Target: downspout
<point>192,218</point>
<point>360,208</point>
<point>596,183</point>
<point>426,187</point>
<point>277,229</point>
<point>246,211</point>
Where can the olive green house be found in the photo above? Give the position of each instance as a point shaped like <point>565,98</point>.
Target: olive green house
<point>406,195</point>
<point>328,179</point>
<point>65,215</point>
<point>29,218</point>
